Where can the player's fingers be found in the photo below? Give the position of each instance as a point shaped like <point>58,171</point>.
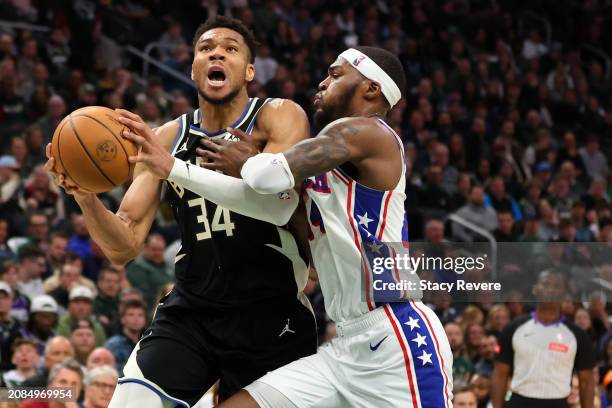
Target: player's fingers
<point>50,164</point>
<point>129,115</point>
<point>210,155</point>
<point>215,146</point>
<point>137,139</point>
<point>139,158</point>
<point>239,134</point>
<point>140,127</point>
<point>211,166</point>
<point>48,150</point>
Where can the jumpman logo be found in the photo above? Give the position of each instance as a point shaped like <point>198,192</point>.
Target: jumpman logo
<point>183,148</point>
<point>286,329</point>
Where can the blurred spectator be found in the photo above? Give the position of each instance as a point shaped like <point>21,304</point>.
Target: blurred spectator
<point>56,110</point>
<point>20,308</point>
<point>481,385</point>
<point>99,387</point>
<point>133,322</point>
<point>170,40</point>
<point>594,160</point>
<point>475,212</point>
<point>488,349</point>
<point>10,328</point>
<point>69,277</point>
<point>433,195</point>
<point>80,307</point>
<point>67,374</point>
<point>265,65</point>
<point>31,266</point>
<point>80,243</point>
<point>505,231</point>
<point>10,182</point>
<point>25,359</point>
<point>100,356</point>
<point>464,397</point>
<point>148,272</point>
<point>56,254</point>
<point>53,282</point>
<point>462,366</point>
<point>83,339</point>
<point>497,319</point>
<point>106,304</point>
<point>41,322</point>
<point>58,349</point>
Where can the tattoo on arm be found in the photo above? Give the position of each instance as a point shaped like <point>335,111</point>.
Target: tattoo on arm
<point>322,153</point>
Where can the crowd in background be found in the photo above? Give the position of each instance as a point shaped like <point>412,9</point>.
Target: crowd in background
<point>506,121</point>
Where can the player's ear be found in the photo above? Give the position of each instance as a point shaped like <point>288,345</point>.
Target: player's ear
<point>250,73</point>
<point>372,90</point>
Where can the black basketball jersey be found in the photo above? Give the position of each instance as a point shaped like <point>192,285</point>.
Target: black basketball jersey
<point>227,259</point>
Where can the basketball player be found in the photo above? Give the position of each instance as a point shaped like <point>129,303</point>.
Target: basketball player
<point>235,312</point>
<point>386,354</point>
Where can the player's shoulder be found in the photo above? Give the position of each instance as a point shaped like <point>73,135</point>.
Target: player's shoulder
<point>278,110</point>
<point>168,132</point>
<point>364,126</point>
<point>280,105</point>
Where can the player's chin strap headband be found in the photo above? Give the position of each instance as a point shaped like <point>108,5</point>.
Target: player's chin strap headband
<point>372,71</point>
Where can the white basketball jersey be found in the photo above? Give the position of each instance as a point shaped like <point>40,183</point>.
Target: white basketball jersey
<point>349,225</point>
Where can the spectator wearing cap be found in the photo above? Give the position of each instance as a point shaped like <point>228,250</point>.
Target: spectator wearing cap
<point>133,322</point>
<point>58,349</point>
<point>149,271</point>
<point>80,307</point>
<point>83,339</point>
<point>67,374</point>
<point>543,174</point>
<point>477,213</point>
<point>100,356</point>
<point>31,266</point>
<point>106,304</point>
<point>99,387</point>
<point>69,278</point>
<point>42,321</point>
<point>9,273</point>
<point>10,328</point>
<point>25,358</point>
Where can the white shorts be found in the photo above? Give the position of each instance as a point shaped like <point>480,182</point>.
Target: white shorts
<point>394,356</point>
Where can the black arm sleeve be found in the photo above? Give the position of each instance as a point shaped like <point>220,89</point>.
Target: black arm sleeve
<point>506,350</point>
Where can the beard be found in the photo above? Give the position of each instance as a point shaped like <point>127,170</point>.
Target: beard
<point>220,101</point>
<point>330,112</point>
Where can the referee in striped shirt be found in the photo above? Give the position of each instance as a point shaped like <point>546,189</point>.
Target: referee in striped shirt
<point>539,353</point>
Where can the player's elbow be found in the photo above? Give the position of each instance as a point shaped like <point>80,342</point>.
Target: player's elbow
<point>122,257</point>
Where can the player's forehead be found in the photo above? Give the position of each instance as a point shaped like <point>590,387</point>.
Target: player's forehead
<point>220,34</point>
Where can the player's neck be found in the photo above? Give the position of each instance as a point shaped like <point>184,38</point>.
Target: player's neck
<point>216,117</point>
<point>548,312</point>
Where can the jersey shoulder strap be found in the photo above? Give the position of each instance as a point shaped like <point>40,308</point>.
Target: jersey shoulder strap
<point>251,121</point>
<point>184,122</point>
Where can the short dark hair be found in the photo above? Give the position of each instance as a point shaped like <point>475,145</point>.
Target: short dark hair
<point>234,25</point>
<point>30,252</point>
<point>388,62</point>
<point>131,304</point>
<point>108,269</point>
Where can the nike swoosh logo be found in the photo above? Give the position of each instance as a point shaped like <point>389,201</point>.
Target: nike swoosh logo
<point>374,348</point>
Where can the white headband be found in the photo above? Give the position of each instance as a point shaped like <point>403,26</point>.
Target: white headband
<point>372,71</point>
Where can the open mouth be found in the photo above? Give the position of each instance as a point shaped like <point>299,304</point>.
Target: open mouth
<point>216,77</point>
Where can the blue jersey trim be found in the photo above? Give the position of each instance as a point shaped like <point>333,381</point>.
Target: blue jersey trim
<point>155,390</point>
<point>221,131</point>
<point>178,135</point>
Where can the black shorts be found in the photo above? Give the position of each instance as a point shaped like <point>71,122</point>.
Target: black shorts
<point>518,401</point>
<point>186,350</point>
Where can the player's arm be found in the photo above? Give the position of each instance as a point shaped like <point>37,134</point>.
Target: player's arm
<point>228,192</point>
<point>586,385</point>
<point>499,384</point>
<point>344,140</point>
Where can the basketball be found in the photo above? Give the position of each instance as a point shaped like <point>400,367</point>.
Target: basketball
<point>89,150</point>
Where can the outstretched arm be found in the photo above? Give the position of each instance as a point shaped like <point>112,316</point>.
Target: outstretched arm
<point>336,144</point>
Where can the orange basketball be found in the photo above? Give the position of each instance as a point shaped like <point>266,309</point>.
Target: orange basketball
<point>89,150</point>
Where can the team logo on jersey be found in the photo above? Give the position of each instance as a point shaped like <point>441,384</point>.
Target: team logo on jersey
<point>318,183</point>
<point>106,151</point>
<point>358,60</point>
<point>284,196</point>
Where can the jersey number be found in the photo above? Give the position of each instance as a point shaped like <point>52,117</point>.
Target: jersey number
<point>217,225</point>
